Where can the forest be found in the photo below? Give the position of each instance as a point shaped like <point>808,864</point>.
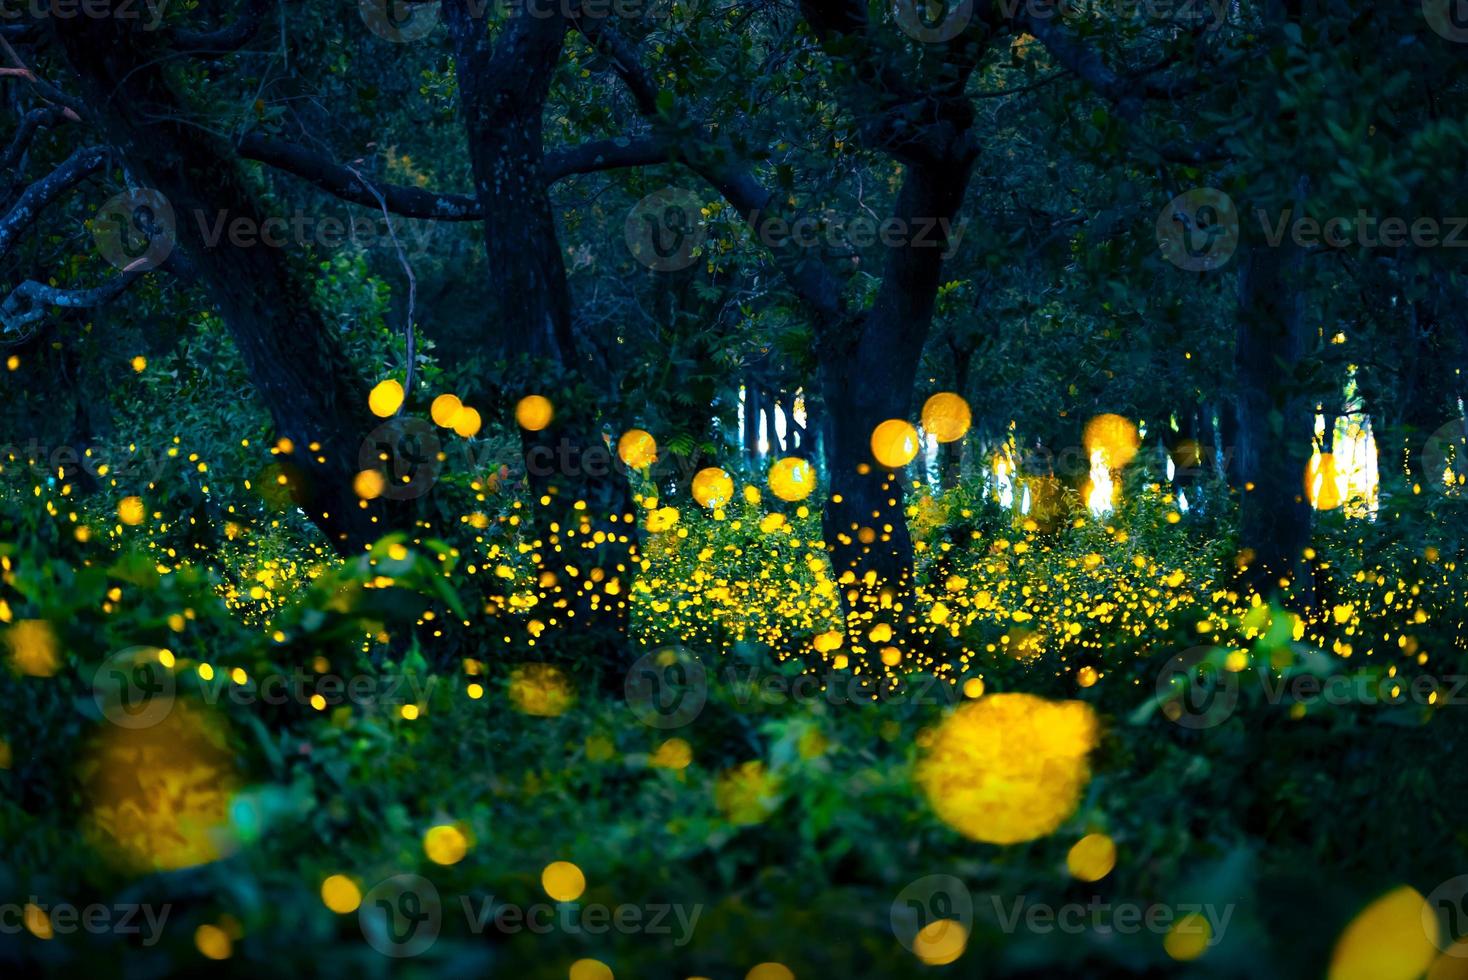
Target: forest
<point>717,489</point>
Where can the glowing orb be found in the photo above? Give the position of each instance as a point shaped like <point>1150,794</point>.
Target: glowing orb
<point>792,479</point>
<point>894,443</point>
<point>946,416</point>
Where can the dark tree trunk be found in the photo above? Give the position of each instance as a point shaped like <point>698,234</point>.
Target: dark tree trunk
<point>752,404</point>
<point>299,370</point>
<point>950,454</point>
<point>504,79</point>
<point>866,381</point>
<point>1275,421</point>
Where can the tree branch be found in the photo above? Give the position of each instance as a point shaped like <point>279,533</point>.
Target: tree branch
<point>29,125</point>
<point>609,154</point>
<point>29,301</point>
<point>342,182</point>
<point>76,168</point>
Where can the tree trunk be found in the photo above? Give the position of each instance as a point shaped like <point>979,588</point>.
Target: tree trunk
<point>504,80</point>
<point>299,370</point>
<point>866,381</point>
<point>1275,421</point>
<point>950,454</point>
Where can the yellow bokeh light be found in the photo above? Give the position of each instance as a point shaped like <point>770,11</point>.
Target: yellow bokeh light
<point>160,796</point>
<point>1188,938</point>
<point>1323,484</point>
<point>589,969</point>
<point>213,942</point>
<point>385,398</point>
<point>445,410</point>
<point>541,690</point>
<point>712,487</point>
<point>1114,436</point>
<point>341,894</point>
<point>1009,767</point>
<point>1387,940</point>
<point>130,511</point>
<point>534,412</point>
<point>33,649</point>
<point>770,971</point>
<point>791,479</point>
<point>940,942</point>
<point>946,416</point>
<point>445,844</point>
<point>563,881</point>
<point>369,484</point>
<point>637,449</point>
<point>37,922</point>
<point>895,443</point>
<point>467,422</point>
<point>1091,858</point>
